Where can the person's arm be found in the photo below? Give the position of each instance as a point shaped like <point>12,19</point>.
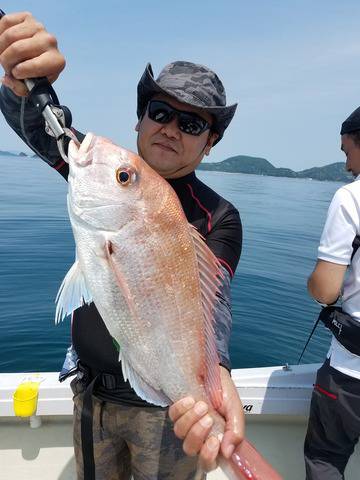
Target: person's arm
<point>326,280</point>
<point>22,37</point>
<point>335,249</point>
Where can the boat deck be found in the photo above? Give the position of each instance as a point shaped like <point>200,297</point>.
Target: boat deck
<point>276,402</point>
<point>46,453</point>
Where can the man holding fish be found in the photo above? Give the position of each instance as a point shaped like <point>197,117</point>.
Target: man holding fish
<point>182,115</point>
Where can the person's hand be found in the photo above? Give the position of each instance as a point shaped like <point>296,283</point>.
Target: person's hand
<point>192,423</point>
<point>27,50</point>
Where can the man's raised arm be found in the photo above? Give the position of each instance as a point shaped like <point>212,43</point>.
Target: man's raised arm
<point>27,50</point>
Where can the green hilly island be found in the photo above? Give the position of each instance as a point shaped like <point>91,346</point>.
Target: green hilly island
<point>260,166</point>
<point>12,154</point>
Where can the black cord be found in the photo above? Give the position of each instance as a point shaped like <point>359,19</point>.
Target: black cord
<point>308,340</point>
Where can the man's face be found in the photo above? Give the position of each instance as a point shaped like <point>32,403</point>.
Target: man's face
<point>352,152</point>
<point>168,150</point>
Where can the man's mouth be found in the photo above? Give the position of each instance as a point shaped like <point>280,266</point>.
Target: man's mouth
<point>165,147</point>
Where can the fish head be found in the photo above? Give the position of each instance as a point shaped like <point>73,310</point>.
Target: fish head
<point>110,186</point>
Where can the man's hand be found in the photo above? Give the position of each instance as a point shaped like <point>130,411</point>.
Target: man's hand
<point>193,424</point>
<point>27,50</point>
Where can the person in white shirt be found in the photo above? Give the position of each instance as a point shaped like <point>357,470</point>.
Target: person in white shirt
<point>334,421</point>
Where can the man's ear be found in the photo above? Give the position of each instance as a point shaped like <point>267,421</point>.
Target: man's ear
<point>212,138</point>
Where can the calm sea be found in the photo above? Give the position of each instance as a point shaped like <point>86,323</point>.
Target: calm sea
<point>272,313</point>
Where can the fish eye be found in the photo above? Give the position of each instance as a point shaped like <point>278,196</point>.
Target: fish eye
<point>123,176</point>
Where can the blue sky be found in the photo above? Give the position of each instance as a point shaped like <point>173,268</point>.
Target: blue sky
<point>292,66</point>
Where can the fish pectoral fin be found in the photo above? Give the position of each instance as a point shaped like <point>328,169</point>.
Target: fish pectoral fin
<point>143,389</point>
<point>72,294</point>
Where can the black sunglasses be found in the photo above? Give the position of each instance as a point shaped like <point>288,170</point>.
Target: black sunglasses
<point>188,122</point>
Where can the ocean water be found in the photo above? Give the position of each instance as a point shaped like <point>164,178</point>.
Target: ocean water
<point>272,312</point>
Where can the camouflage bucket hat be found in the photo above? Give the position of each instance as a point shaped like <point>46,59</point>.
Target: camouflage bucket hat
<point>188,83</point>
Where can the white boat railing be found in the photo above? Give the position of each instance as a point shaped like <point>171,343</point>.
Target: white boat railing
<point>266,391</point>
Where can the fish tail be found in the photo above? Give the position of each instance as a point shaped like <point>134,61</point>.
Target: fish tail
<point>246,463</point>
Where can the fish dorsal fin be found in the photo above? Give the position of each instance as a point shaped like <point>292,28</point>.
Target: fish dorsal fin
<point>72,294</point>
<point>210,276</point>
<point>143,389</point>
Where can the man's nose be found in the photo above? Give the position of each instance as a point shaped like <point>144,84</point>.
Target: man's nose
<point>171,129</point>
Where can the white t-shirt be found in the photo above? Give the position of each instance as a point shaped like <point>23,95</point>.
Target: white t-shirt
<point>341,227</point>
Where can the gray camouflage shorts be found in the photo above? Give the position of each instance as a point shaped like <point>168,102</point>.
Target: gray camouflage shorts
<point>131,442</point>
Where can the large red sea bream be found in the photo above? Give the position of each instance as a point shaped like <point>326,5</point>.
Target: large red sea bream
<point>152,279</point>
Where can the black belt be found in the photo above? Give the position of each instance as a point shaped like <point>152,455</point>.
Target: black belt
<point>343,326</point>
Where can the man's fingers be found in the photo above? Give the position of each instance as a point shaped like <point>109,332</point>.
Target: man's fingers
<point>229,443</point>
<point>47,64</point>
<point>185,422</point>
<point>233,413</point>
<point>12,19</point>
<point>19,32</point>
<point>179,408</point>
<point>208,454</point>
<point>234,428</point>
<point>235,423</point>
<point>27,50</point>
<point>196,435</point>
<point>21,51</point>
<point>34,48</point>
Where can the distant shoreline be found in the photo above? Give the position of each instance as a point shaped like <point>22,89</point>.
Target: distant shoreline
<point>349,180</point>
<point>13,154</point>
<point>334,172</point>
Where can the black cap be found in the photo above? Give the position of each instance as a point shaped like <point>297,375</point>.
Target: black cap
<point>352,123</point>
<point>189,83</point>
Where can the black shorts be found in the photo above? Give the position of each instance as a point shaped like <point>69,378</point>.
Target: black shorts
<point>334,424</point>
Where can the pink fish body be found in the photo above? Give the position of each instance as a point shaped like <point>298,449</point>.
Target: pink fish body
<point>151,277</point>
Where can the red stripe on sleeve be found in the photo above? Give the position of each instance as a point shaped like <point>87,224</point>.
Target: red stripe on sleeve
<point>61,164</point>
<point>209,224</point>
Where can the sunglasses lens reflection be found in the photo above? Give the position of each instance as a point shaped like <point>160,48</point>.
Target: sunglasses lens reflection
<point>188,122</point>
<point>160,112</point>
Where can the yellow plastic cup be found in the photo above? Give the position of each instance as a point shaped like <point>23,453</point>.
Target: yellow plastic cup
<point>25,399</point>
